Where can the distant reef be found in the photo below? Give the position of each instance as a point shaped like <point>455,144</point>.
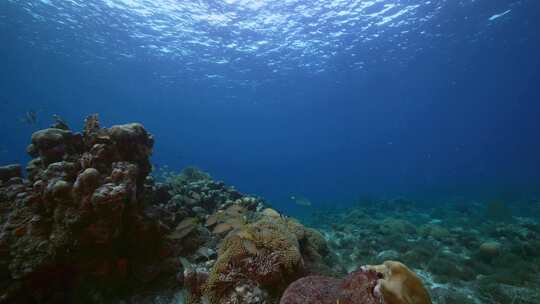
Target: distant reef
<point>466,252</point>
<point>89,224</point>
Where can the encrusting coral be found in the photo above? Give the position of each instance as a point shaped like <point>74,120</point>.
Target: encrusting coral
<point>399,285</point>
<point>356,288</point>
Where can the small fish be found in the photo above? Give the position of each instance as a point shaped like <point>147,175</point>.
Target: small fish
<point>301,201</point>
<point>497,16</point>
<point>30,117</point>
<point>59,122</point>
<point>282,215</point>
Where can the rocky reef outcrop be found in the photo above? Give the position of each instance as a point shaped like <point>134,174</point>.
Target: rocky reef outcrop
<point>78,216</point>
<point>356,288</point>
<point>90,224</point>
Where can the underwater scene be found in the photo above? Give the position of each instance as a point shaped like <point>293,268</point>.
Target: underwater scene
<point>270,151</point>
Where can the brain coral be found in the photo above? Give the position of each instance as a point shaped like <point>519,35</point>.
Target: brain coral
<point>264,253</point>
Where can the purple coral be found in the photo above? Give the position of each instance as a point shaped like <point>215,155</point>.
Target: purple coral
<point>312,290</point>
<point>356,288</point>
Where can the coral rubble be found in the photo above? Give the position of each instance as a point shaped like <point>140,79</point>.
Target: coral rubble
<point>90,224</point>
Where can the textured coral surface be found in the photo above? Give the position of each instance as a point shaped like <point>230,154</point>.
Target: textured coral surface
<point>356,288</point>
<point>265,253</point>
<point>89,224</point>
<point>79,211</point>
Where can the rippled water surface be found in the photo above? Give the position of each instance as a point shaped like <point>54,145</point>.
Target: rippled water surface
<point>211,39</point>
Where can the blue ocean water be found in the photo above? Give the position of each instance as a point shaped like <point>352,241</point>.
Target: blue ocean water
<point>331,100</point>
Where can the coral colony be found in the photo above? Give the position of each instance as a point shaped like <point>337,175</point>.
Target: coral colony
<point>89,224</point>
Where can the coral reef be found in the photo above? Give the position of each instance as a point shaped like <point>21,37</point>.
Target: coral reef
<point>193,193</point>
<point>195,214</point>
<point>91,223</point>
<point>78,214</point>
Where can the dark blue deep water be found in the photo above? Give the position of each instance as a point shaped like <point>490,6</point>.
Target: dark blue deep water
<point>331,100</point>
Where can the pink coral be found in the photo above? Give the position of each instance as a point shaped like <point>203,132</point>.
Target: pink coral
<point>390,283</point>
<point>313,290</point>
<point>356,288</point>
